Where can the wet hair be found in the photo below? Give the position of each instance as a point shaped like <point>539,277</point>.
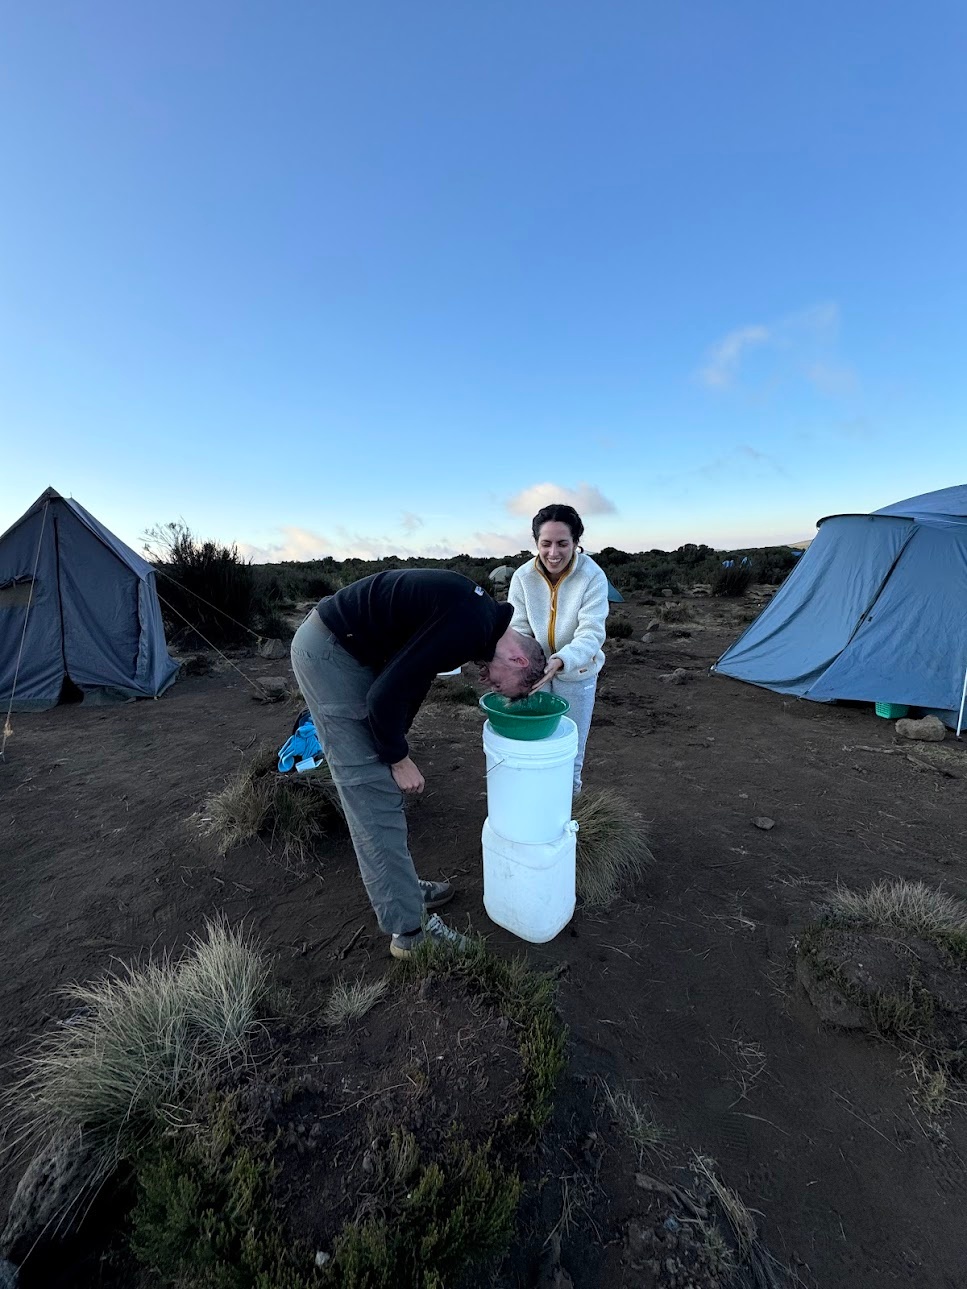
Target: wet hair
<point>534,670</point>
<point>558,514</point>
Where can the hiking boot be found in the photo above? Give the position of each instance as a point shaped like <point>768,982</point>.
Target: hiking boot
<point>436,894</point>
<point>405,946</point>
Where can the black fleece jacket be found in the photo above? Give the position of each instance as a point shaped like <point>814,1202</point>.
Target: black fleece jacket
<point>407,625</point>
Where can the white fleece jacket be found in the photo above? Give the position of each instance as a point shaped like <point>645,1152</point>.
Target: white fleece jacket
<point>568,618</point>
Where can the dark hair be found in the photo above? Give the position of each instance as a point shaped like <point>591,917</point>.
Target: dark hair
<point>558,514</point>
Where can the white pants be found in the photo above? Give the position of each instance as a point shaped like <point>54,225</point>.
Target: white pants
<point>580,694</point>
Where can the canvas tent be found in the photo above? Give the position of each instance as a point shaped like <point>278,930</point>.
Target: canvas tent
<point>93,618</point>
<point>614,595</point>
<point>501,576</point>
<point>874,611</point>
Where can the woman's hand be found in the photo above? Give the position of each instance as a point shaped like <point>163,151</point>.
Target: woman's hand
<point>407,776</point>
<point>550,671</point>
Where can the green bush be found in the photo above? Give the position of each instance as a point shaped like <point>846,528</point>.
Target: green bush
<point>620,629</point>
<point>206,590</point>
<point>205,1216</point>
<point>459,1211</point>
<point>734,581</point>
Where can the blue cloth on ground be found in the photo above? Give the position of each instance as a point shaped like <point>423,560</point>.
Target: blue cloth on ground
<point>304,745</point>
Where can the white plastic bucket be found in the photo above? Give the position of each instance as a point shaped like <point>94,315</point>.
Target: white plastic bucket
<point>530,783</point>
<point>529,890</point>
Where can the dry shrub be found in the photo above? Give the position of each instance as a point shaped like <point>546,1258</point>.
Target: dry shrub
<point>906,906</point>
<point>673,613</point>
<point>145,1047</point>
<point>612,846</point>
<point>636,1121</point>
<point>739,1217</point>
<point>290,811</point>
<point>351,999</point>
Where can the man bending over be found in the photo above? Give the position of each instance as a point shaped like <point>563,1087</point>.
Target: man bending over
<point>365,659</point>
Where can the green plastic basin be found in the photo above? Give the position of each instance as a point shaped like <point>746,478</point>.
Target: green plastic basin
<point>524,718</point>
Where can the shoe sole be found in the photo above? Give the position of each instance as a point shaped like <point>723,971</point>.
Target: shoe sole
<point>397,952</point>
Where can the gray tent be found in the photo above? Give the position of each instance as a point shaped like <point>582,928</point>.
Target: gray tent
<point>93,619</point>
<point>501,576</point>
<point>614,595</point>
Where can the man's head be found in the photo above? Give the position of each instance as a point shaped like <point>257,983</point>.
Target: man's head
<point>517,665</point>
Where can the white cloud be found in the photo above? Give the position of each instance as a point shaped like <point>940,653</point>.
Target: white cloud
<point>833,379</point>
<point>726,354</point>
<point>805,339</point>
<point>410,522</point>
<point>585,498</point>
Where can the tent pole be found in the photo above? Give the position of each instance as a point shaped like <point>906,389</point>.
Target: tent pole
<point>963,700</point>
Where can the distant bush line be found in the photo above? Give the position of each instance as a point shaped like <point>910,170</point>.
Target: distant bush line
<point>224,597</point>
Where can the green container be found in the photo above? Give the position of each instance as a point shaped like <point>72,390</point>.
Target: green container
<point>524,718</point>
<point>892,711</point>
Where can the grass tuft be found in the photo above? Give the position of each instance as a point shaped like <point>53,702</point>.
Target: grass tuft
<point>351,999</point>
<point>739,1217</point>
<point>612,846</point>
<point>291,812</point>
<point>145,1046</point>
<point>906,906</point>
<point>636,1121</point>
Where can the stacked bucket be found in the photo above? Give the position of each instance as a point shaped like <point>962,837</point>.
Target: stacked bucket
<point>528,835</point>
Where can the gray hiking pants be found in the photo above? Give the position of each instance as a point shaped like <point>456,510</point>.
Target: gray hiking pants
<point>580,694</point>
<point>335,686</point>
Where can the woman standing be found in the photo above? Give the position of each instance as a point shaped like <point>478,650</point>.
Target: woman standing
<point>562,600</point>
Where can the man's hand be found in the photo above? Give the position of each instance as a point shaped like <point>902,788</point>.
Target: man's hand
<point>550,671</point>
<point>407,776</point>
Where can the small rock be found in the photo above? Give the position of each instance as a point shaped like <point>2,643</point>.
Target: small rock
<point>9,1276</point>
<point>322,1258</point>
<point>672,1224</point>
<point>677,677</point>
<point>668,593</point>
<point>273,689</point>
<point>764,822</point>
<point>929,729</point>
<point>272,649</point>
<point>653,625</point>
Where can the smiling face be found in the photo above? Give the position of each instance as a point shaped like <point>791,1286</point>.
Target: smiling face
<point>555,547</point>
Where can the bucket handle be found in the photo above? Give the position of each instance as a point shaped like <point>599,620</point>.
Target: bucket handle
<point>495,764</point>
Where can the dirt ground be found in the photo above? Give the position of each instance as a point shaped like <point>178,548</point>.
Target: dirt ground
<point>683,993</point>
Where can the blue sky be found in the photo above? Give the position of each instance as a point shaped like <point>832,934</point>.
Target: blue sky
<point>381,277</point>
